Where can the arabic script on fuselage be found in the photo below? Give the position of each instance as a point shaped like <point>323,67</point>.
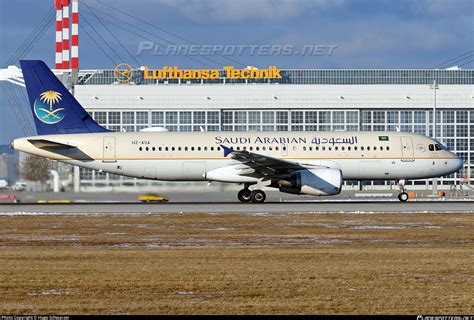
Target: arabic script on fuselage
<point>265,140</point>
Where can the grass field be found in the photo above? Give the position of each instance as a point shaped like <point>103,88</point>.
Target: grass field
<point>235,264</point>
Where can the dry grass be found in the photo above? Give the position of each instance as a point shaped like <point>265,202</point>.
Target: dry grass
<point>200,263</point>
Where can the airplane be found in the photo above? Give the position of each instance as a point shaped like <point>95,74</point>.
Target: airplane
<point>301,163</point>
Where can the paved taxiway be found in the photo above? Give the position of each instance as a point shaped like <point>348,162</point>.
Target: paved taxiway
<point>226,202</point>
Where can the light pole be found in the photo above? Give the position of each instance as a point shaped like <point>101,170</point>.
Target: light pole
<point>434,86</point>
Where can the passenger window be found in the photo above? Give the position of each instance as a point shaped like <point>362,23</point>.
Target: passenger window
<point>284,148</point>
<point>251,148</point>
<point>192,148</point>
<point>179,148</point>
<point>153,149</point>
<point>159,149</point>
<point>310,148</point>
<point>368,148</point>
<point>205,148</point>
<point>324,148</point>
<point>166,148</point>
<point>304,148</point>
<point>335,148</point>
<point>199,148</point>
<point>218,148</point>
<point>270,148</point>
<point>381,148</point>
<point>238,148</point>
<point>349,148</point>
<point>355,148</point>
<point>185,148</point>
<point>317,148</point>
<point>257,148</point>
<point>263,148</point>
<point>388,148</point>
<point>140,149</point>
<point>212,148</point>
<point>431,147</point>
<point>276,148</point>
<point>361,148</point>
<point>172,148</point>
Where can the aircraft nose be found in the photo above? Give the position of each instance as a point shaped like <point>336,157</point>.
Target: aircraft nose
<point>459,163</point>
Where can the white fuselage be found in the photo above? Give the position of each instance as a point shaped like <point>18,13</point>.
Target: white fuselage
<point>198,156</point>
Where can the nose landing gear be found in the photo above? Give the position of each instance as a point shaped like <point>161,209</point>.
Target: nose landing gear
<point>403,196</point>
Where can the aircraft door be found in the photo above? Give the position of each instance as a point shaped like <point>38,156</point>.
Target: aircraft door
<point>407,149</point>
<point>109,150</point>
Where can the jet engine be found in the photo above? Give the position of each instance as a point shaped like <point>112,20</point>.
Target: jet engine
<point>315,182</point>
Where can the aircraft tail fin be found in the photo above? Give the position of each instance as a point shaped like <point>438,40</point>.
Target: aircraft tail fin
<point>54,108</point>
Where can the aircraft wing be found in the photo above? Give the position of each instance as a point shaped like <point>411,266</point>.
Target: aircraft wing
<point>49,144</point>
<point>261,165</point>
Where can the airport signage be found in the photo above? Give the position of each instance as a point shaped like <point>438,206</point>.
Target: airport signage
<point>230,72</point>
<point>123,73</point>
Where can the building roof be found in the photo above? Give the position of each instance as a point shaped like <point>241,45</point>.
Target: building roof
<point>304,76</point>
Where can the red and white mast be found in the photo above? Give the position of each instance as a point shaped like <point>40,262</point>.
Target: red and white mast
<point>65,4</point>
<point>75,40</point>
<point>59,34</point>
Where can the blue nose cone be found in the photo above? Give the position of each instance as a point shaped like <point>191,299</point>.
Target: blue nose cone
<point>459,163</point>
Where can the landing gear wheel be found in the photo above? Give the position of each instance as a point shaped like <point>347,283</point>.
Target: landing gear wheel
<point>244,195</point>
<point>403,196</point>
<point>257,196</point>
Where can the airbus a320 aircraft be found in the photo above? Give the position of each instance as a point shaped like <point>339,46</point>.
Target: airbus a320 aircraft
<point>311,163</point>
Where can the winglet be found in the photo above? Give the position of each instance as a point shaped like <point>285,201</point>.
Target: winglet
<point>227,150</point>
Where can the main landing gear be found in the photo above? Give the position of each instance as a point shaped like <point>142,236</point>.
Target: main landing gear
<point>256,196</point>
<point>403,195</point>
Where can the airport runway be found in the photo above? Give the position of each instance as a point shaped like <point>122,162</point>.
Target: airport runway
<point>233,207</point>
<point>226,202</point>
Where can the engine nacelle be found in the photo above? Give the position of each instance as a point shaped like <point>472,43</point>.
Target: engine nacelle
<point>315,182</point>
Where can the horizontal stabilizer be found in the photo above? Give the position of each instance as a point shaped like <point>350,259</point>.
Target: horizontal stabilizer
<point>48,144</point>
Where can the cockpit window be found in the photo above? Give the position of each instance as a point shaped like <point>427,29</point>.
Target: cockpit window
<point>435,147</point>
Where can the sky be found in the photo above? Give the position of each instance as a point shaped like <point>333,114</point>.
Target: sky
<point>334,33</point>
